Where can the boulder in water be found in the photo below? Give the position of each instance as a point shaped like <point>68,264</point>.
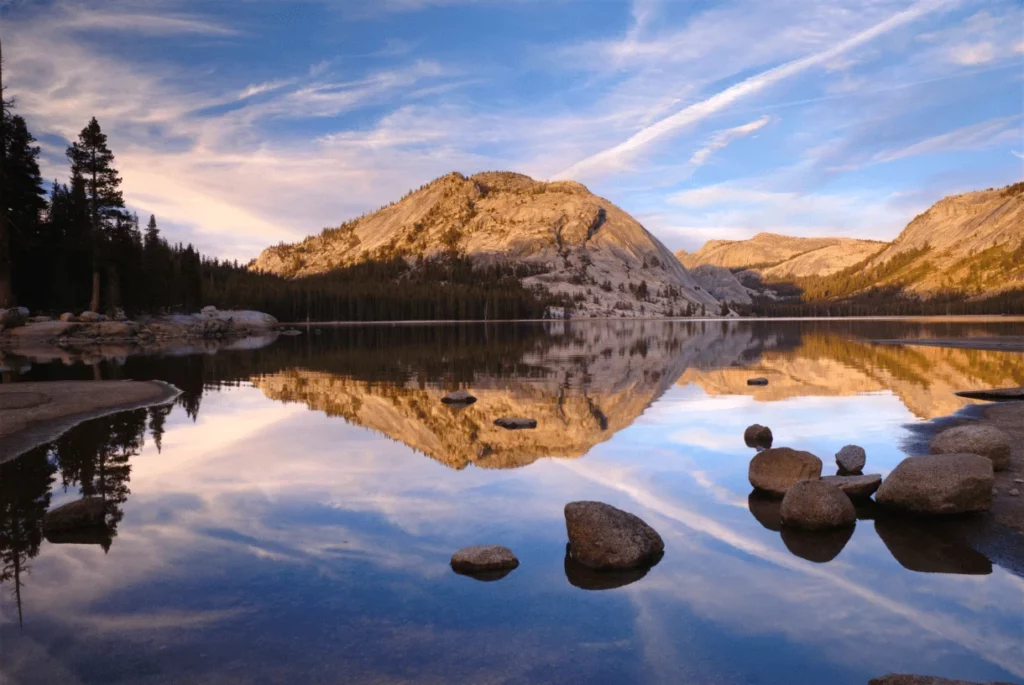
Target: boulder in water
<point>87,512</point>
<point>851,459</point>
<point>988,441</point>
<point>776,470</point>
<point>816,505</point>
<point>856,486</point>
<point>758,436</point>
<point>484,560</point>
<point>604,537</point>
<point>939,484</point>
<point>458,397</point>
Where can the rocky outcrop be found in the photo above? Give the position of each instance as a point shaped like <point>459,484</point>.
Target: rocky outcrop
<point>939,484</point>
<point>987,441</point>
<point>721,283</point>
<point>484,559</point>
<point>575,243</point>
<point>816,505</point>
<point>603,537</point>
<point>851,459</point>
<point>88,512</point>
<point>859,486</point>
<point>784,257</point>
<point>776,470</point>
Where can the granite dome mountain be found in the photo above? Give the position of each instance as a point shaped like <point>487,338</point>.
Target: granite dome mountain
<point>573,243</point>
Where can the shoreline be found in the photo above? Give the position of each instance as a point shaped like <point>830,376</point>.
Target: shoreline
<point>35,413</point>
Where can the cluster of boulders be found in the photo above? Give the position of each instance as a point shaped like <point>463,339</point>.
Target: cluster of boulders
<point>14,316</point>
<point>955,478</point>
<point>461,398</point>
<point>607,548</point>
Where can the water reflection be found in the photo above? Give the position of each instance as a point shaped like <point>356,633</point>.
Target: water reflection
<point>323,537</point>
<point>930,546</point>
<point>586,578</point>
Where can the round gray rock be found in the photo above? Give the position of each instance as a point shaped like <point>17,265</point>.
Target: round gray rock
<point>851,459</point>
<point>483,558</point>
<point>856,486</point>
<point>988,441</point>
<point>939,484</point>
<point>758,436</point>
<point>817,505</point>
<point>602,537</point>
<point>777,469</point>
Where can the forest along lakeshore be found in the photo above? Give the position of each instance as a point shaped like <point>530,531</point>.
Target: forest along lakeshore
<point>331,486</point>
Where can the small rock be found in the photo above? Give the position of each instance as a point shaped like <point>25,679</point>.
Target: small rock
<point>89,317</point>
<point>758,436</point>
<point>512,423</point>
<point>603,537</point>
<point>458,397</point>
<point>208,309</point>
<point>851,459</point>
<point>84,513</point>
<point>816,505</point>
<point>757,381</point>
<point>484,559</point>
<point>939,484</point>
<point>856,486</point>
<point>1014,492</point>
<point>1018,480</point>
<point>119,315</point>
<point>776,470</point>
<point>988,441</point>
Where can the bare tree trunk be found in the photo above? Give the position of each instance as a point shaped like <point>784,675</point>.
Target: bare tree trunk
<point>113,288</point>
<point>94,302</point>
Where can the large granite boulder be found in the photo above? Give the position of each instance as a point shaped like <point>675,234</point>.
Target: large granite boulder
<point>89,317</point>
<point>758,436</point>
<point>13,316</point>
<point>851,459</point>
<point>776,470</point>
<point>816,505</point>
<point>856,486</point>
<point>68,317</point>
<point>603,537</point>
<point>87,512</point>
<point>492,561</point>
<point>939,484</point>
<point>988,441</point>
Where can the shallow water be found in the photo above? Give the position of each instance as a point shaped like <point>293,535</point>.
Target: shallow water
<point>291,517</point>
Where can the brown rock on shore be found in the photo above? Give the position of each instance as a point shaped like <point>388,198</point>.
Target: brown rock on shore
<point>939,484</point>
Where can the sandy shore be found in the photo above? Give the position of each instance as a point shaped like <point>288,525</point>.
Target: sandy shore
<point>32,414</point>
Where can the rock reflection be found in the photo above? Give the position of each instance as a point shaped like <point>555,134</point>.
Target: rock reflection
<point>819,546</point>
<point>766,509</point>
<point>587,578</point>
<point>930,546</point>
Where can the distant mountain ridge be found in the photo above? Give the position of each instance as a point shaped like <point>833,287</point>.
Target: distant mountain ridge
<point>575,244</point>
<point>969,245</point>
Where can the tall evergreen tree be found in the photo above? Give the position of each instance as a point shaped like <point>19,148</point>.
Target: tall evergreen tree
<point>93,161</point>
<point>6,295</point>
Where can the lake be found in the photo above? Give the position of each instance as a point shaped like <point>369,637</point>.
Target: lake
<point>291,517</point>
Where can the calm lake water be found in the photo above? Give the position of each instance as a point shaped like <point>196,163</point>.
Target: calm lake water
<point>290,519</point>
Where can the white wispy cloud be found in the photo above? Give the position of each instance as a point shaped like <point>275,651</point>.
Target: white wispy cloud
<point>614,157</point>
<point>974,137</point>
<point>722,138</point>
<point>972,54</point>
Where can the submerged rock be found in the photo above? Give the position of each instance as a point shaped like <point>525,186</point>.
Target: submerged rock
<point>458,397</point>
<point>988,441</point>
<point>939,484</point>
<point>758,436</point>
<point>776,470</point>
<point>851,459</point>
<point>490,561</point>
<point>603,537</point>
<point>819,546</point>
<point>512,423</point>
<point>757,381</point>
<point>88,512</point>
<point>816,505</point>
<point>856,486</point>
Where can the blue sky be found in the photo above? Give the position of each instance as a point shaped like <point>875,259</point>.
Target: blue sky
<point>241,123</point>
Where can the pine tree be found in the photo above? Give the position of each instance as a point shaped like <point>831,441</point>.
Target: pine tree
<point>92,161</point>
<point>23,205</point>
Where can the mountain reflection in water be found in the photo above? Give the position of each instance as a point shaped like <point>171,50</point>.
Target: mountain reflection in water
<point>239,518</point>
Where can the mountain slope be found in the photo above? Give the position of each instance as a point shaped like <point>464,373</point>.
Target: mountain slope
<point>575,243</point>
<point>779,256</point>
<point>971,243</point>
